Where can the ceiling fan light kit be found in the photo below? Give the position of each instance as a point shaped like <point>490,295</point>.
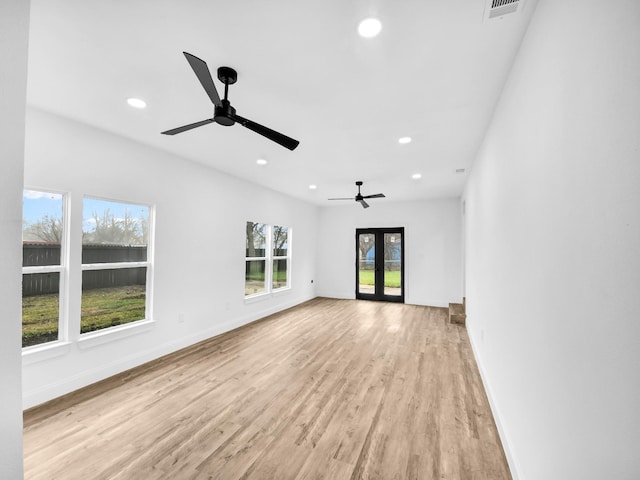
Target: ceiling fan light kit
<point>361,198</point>
<point>224,114</point>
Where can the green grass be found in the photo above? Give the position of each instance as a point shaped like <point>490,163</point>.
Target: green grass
<point>101,308</point>
<point>391,278</point>
<point>254,282</point>
<point>107,307</point>
<point>39,319</point>
<point>259,277</point>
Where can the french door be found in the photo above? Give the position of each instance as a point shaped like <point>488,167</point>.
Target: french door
<point>380,264</point>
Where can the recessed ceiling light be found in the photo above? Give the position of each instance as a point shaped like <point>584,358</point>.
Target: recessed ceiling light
<point>312,187</point>
<point>369,27</point>
<point>261,161</point>
<point>416,176</point>
<point>404,140</point>
<point>136,102</point>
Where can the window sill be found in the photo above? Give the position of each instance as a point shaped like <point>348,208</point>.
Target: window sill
<point>280,291</point>
<point>258,297</point>
<point>99,337</point>
<point>46,351</point>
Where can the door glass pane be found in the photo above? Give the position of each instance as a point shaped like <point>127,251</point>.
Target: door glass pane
<point>40,308</point>
<point>366,263</point>
<point>392,263</point>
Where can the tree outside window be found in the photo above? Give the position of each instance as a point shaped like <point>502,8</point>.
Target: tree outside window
<point>267,258</point>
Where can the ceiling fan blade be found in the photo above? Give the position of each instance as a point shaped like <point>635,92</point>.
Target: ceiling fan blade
<point>350,198</point>
<point>184,128</point>
<point>375,195</point>
<point>279,138</point>
<point>364,204</point>
<point>204,75</point>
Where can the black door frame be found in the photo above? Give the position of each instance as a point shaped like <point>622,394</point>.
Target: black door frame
<point>379,265</point>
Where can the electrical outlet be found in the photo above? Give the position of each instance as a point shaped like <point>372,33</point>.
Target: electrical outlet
<point>181,318</point>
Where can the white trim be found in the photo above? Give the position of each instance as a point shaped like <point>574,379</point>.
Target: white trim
<point>151,250</point>
<point>511,459</point>
<point>110,334</point>
<point>44,351</point>
<point>110,199</point>
<point>279,291</point>
<point>42,269</point>
<point>257,297</point>
<point>64,293</point>
<point>429,302</point>
<point>114,266</point>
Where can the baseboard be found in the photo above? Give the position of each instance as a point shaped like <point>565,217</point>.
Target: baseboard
<point>511,460</point>
<point>337,295</point>
<point>427,302</point>
<point>408,300</point>
<point>53,390</point>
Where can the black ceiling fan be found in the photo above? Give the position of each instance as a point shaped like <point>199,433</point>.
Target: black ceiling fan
<point>224,113</point>
<point>359,197</point>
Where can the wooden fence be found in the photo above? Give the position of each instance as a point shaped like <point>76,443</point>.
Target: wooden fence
<point>39,254</point>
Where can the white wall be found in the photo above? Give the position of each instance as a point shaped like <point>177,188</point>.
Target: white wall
<point>432,247</point>
<point>552,251</point>
<point>14,34</point>
<point>199,250</point>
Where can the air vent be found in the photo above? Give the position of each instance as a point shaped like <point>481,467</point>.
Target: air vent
<point>498,8</point>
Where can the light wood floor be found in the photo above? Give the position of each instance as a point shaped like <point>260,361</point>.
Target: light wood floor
<point>331,389</point>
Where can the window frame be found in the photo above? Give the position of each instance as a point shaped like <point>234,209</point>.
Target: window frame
<point>62,269</point>
<point>148,264</point>
<point>269,258</point>
<point>263,258</point>
<point>286,257</point>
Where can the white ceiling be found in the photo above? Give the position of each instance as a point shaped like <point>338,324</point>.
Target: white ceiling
<point>434,73</point>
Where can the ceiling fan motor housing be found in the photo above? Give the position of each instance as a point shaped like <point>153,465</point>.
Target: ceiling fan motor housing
<point>222,113</point>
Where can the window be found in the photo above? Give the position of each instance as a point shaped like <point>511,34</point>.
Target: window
<point>280,257</point>
<point>255,264</point>
<point>115,263</point>
<point>43,266</point>
<point>267,258</point>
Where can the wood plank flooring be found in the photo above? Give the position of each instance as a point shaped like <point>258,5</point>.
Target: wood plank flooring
<point>331,389</point>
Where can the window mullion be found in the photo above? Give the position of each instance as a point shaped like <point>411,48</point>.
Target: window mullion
<point>42,269</point>
<point>113,266</point>
<point>268,259</point>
